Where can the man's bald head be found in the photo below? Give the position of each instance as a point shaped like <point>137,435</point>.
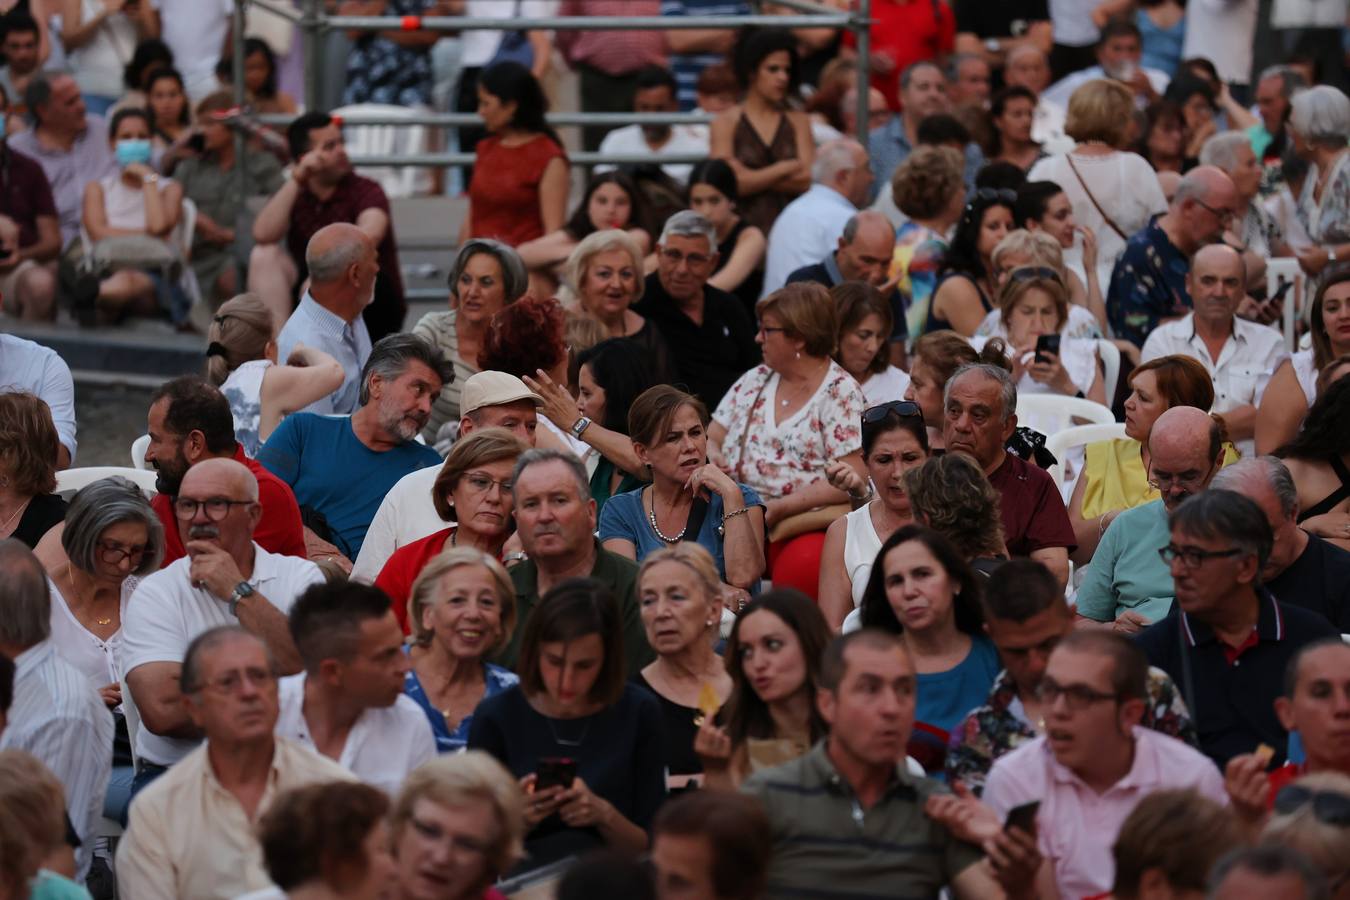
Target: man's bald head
<point>1220,259</point>
<point>1184,449</point>
<point>334,249</point>
<point>228,488</point>
<point>1204,204</point>
<point>866,247</point>
<point>222,474</point>
<point>1027,66</point>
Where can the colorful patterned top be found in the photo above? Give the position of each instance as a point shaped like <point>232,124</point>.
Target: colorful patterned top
<point>381,71</point>
<point>918,256</point>
<point>1148,284</point>
<point>1000,727</point>
<point>777,459</point>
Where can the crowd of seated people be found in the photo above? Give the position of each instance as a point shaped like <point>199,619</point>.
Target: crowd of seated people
<point>725,532</point>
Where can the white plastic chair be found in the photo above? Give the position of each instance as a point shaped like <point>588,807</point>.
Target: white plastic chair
<point>138,448</point>
<point>1110,356</point>
<point>1061,411</point>
<point>387,140</point>
<point>1061,442</point>
<point>68,481</point>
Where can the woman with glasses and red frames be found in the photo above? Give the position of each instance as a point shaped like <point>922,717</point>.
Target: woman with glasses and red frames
<point>95,559</point>
<point>966,280</point>
<point>894,440</point>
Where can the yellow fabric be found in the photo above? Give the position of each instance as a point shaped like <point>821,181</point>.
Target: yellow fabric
<point>1116,479</point>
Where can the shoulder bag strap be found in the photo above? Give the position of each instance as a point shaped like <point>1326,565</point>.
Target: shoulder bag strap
<point>745,433</point>
<point>1095,205</point>
<point>698,511</point>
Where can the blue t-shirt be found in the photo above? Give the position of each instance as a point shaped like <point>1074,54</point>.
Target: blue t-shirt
<point>688,66</point>
<point>945,698</point>
<point>624,518</point>
<point>495,680</point>
<point>334,474</point>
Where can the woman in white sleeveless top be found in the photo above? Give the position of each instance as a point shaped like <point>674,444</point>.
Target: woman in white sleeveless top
<point>99,42</point>
<point>894,440</point>
<point>241,359</point>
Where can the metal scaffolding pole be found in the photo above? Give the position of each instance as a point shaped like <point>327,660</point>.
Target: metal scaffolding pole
<point>863,23</point>
<point>241,218</point>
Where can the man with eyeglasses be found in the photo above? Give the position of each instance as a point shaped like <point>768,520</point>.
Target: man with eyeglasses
<point>225,579</point>
<point>189,421</point>
<point>1094,761</point>
<point>1227,641</point>
<point>863,253</point>
<point>192,834</point>
<point>1148,284</point>
<point>1126,586</point>
<point>1316,704</point>
<point>710,334</point>
<point>1239,355</point>
<point>1026,617</point>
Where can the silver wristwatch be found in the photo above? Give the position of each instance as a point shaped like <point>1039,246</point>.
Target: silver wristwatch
<point>241,590</point>
<point>579,426</point>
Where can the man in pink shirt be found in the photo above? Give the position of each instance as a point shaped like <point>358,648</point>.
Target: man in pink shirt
<point>1094,762</point>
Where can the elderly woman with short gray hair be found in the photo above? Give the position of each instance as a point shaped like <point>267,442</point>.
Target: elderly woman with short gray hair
<point>487,276</point>
<point>1319,125</point>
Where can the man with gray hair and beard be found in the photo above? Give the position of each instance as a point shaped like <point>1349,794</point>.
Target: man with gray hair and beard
<point>340,467</point>
<point>342,263</point>
<point>225,579</point>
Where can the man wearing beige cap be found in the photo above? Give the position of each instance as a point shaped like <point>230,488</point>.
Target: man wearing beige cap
<point>407,514</point>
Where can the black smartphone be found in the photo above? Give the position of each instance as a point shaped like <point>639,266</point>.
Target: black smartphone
<point>1046,343</point>
<point>554,771</point>
<point>197,143</point>
<point>1024,816</point>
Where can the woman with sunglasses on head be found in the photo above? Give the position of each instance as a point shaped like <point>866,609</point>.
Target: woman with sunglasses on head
<point>922,589</point>
<point>473,493</point>
<point>965,280</point>
<point>689,499</point>
<point>771,717</point>
<point>894,440</point>
<point>1312,816</point>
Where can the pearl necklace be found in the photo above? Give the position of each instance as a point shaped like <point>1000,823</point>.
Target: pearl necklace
<point>651,517</point>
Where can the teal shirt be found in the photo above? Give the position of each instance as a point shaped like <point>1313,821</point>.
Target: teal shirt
<point>1126,572</point>
<point>50,886</point>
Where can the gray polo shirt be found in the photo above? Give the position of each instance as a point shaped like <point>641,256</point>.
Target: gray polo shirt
<point>89,159</point>
<point>315,326</point>
<point>826,845</point>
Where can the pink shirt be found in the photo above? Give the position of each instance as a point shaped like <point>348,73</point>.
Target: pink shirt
<point>1076,825</point>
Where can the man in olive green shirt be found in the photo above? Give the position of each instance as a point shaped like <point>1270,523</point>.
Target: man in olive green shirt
<point>555,518</point>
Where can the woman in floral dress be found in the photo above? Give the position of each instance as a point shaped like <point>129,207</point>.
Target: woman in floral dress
<point>785,422</point>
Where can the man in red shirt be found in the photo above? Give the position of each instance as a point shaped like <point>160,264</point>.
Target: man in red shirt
<point>189,421</point>
<point>322,190</point>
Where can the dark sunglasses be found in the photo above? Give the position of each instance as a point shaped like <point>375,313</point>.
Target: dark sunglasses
<point>905,409</point>
<point>1004,194</point>
<point>1030,273</point>
<point>1330,807</point>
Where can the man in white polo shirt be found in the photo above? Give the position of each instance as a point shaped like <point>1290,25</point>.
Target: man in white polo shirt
<point>225,579</point>
<point>349,704</point>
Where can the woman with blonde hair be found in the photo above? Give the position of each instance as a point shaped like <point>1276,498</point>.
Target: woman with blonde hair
<point>472,492</point>
<point>1113,192</point>
<point>457,826</point>
<point>462,610</point>
<point>680,604</point>
<point>241,360</point>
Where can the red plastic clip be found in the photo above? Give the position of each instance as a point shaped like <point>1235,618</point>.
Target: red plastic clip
<point>411,23</point>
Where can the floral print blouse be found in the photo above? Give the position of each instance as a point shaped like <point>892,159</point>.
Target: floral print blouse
<point>778,459</point>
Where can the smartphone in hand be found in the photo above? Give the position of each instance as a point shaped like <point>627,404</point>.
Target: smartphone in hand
<point>1046,343</point>
<point>554,771</point>
<point>1024,816</point>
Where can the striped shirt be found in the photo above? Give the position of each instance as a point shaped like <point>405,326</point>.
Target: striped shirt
<point>348,342</point>
<point>827,846</point>
<point>58,717</point>
<point>688,66</point>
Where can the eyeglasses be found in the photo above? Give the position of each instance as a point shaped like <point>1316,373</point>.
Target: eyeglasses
<point>231,682</point>
<point>1077,697</point>
<point>1030,273</point>
<point>456,843</point>
<point>216,508</point>
<point>771,329</point>
<point>113,554</point>
<point>1330,807</point>
<point>675,257</point>
<point>1192,557</point>
<point>1223,215</point>
<point>905,409</point>
<point>481,484</point>
<point>1003,194</point>
<point>1163,480</point>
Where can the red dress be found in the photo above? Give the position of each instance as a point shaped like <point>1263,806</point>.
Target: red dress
<point>504,192</point>
<point>397,577</point>
<point>909,31</point>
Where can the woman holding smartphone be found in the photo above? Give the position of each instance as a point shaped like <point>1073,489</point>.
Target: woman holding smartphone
<point>585,744</point>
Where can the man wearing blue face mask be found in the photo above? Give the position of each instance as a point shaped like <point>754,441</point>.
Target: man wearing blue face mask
<point>70,145</point>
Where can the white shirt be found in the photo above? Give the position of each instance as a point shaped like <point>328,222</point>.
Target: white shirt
<point>480,46</point>
<point>861,546</point>
<point>58,716</point>
<point>195,32</point>
<point>38,370</point>
<point>1072,20</point>
<point>1222,31</point>
<point>1047,127</point>
<point>883,387</point>
<point>805,231</point>
<point>1062,90</point>
<point>682,141</point>
<point>1248,358</point>
<point>188,837</point>
<point>383,746</point>
<point>406,514</point>
<point>1308,13</point>
<point>96,658</point>
<point>167,612</point>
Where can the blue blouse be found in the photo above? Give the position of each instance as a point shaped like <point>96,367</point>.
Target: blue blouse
<point>625,518</point>
<point>495,679</point>
<point>945,698</point>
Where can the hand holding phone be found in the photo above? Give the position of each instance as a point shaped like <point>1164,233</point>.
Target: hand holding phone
<point>1046,343</point>
<point>1023,817</point>
<point>554,771</point>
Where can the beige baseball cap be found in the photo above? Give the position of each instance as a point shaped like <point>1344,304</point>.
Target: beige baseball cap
<point>494,389</point>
